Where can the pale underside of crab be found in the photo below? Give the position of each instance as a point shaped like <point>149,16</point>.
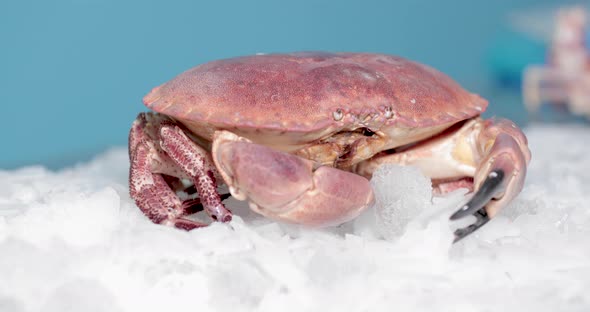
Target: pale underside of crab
<point>299,135</point>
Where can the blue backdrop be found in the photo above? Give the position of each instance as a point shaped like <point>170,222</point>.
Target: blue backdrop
<point>73,72</point>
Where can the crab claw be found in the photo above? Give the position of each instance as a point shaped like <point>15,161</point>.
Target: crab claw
<point>500,174</point>
<point>486,193</point>
<point>286,187</point>
<point>476,205</point>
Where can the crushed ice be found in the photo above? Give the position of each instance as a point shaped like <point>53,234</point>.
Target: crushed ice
<point>74,241</point>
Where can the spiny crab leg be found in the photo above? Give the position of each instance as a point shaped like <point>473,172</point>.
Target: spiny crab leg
<point>160,154</point>
<point>194,205</point>
<point>153,195</point>
<point>194,161</point>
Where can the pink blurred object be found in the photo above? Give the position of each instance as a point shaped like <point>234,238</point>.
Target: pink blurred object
<point>565,80</point>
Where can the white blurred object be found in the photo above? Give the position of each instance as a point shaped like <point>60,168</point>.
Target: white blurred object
<point>565,80</point>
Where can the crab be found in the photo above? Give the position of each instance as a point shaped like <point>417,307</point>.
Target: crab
<point>299,135</point>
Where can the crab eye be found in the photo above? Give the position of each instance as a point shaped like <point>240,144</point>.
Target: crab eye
<point>368,132</point>
<point>338,115</point>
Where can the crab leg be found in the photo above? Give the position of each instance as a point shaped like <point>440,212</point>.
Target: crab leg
<point>153,195</point>
<point>493,152</point>
<point>151,192</point>
<point>148,186</point>
<point>286,187</point>
<point>195,162</point>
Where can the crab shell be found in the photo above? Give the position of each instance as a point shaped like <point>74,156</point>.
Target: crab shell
<point>292,102</point>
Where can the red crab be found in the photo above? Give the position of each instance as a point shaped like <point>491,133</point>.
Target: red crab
<point>299,135</point>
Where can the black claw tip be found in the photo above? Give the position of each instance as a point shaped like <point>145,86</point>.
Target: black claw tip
<point>490,187</point>
<point>482,219</point>
<point>476,205</point>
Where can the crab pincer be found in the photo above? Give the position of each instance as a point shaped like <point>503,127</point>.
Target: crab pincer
<point>500,176</point>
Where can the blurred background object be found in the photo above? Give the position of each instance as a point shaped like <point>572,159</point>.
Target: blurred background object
<point>73,72</point>
<point>564,81</point>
